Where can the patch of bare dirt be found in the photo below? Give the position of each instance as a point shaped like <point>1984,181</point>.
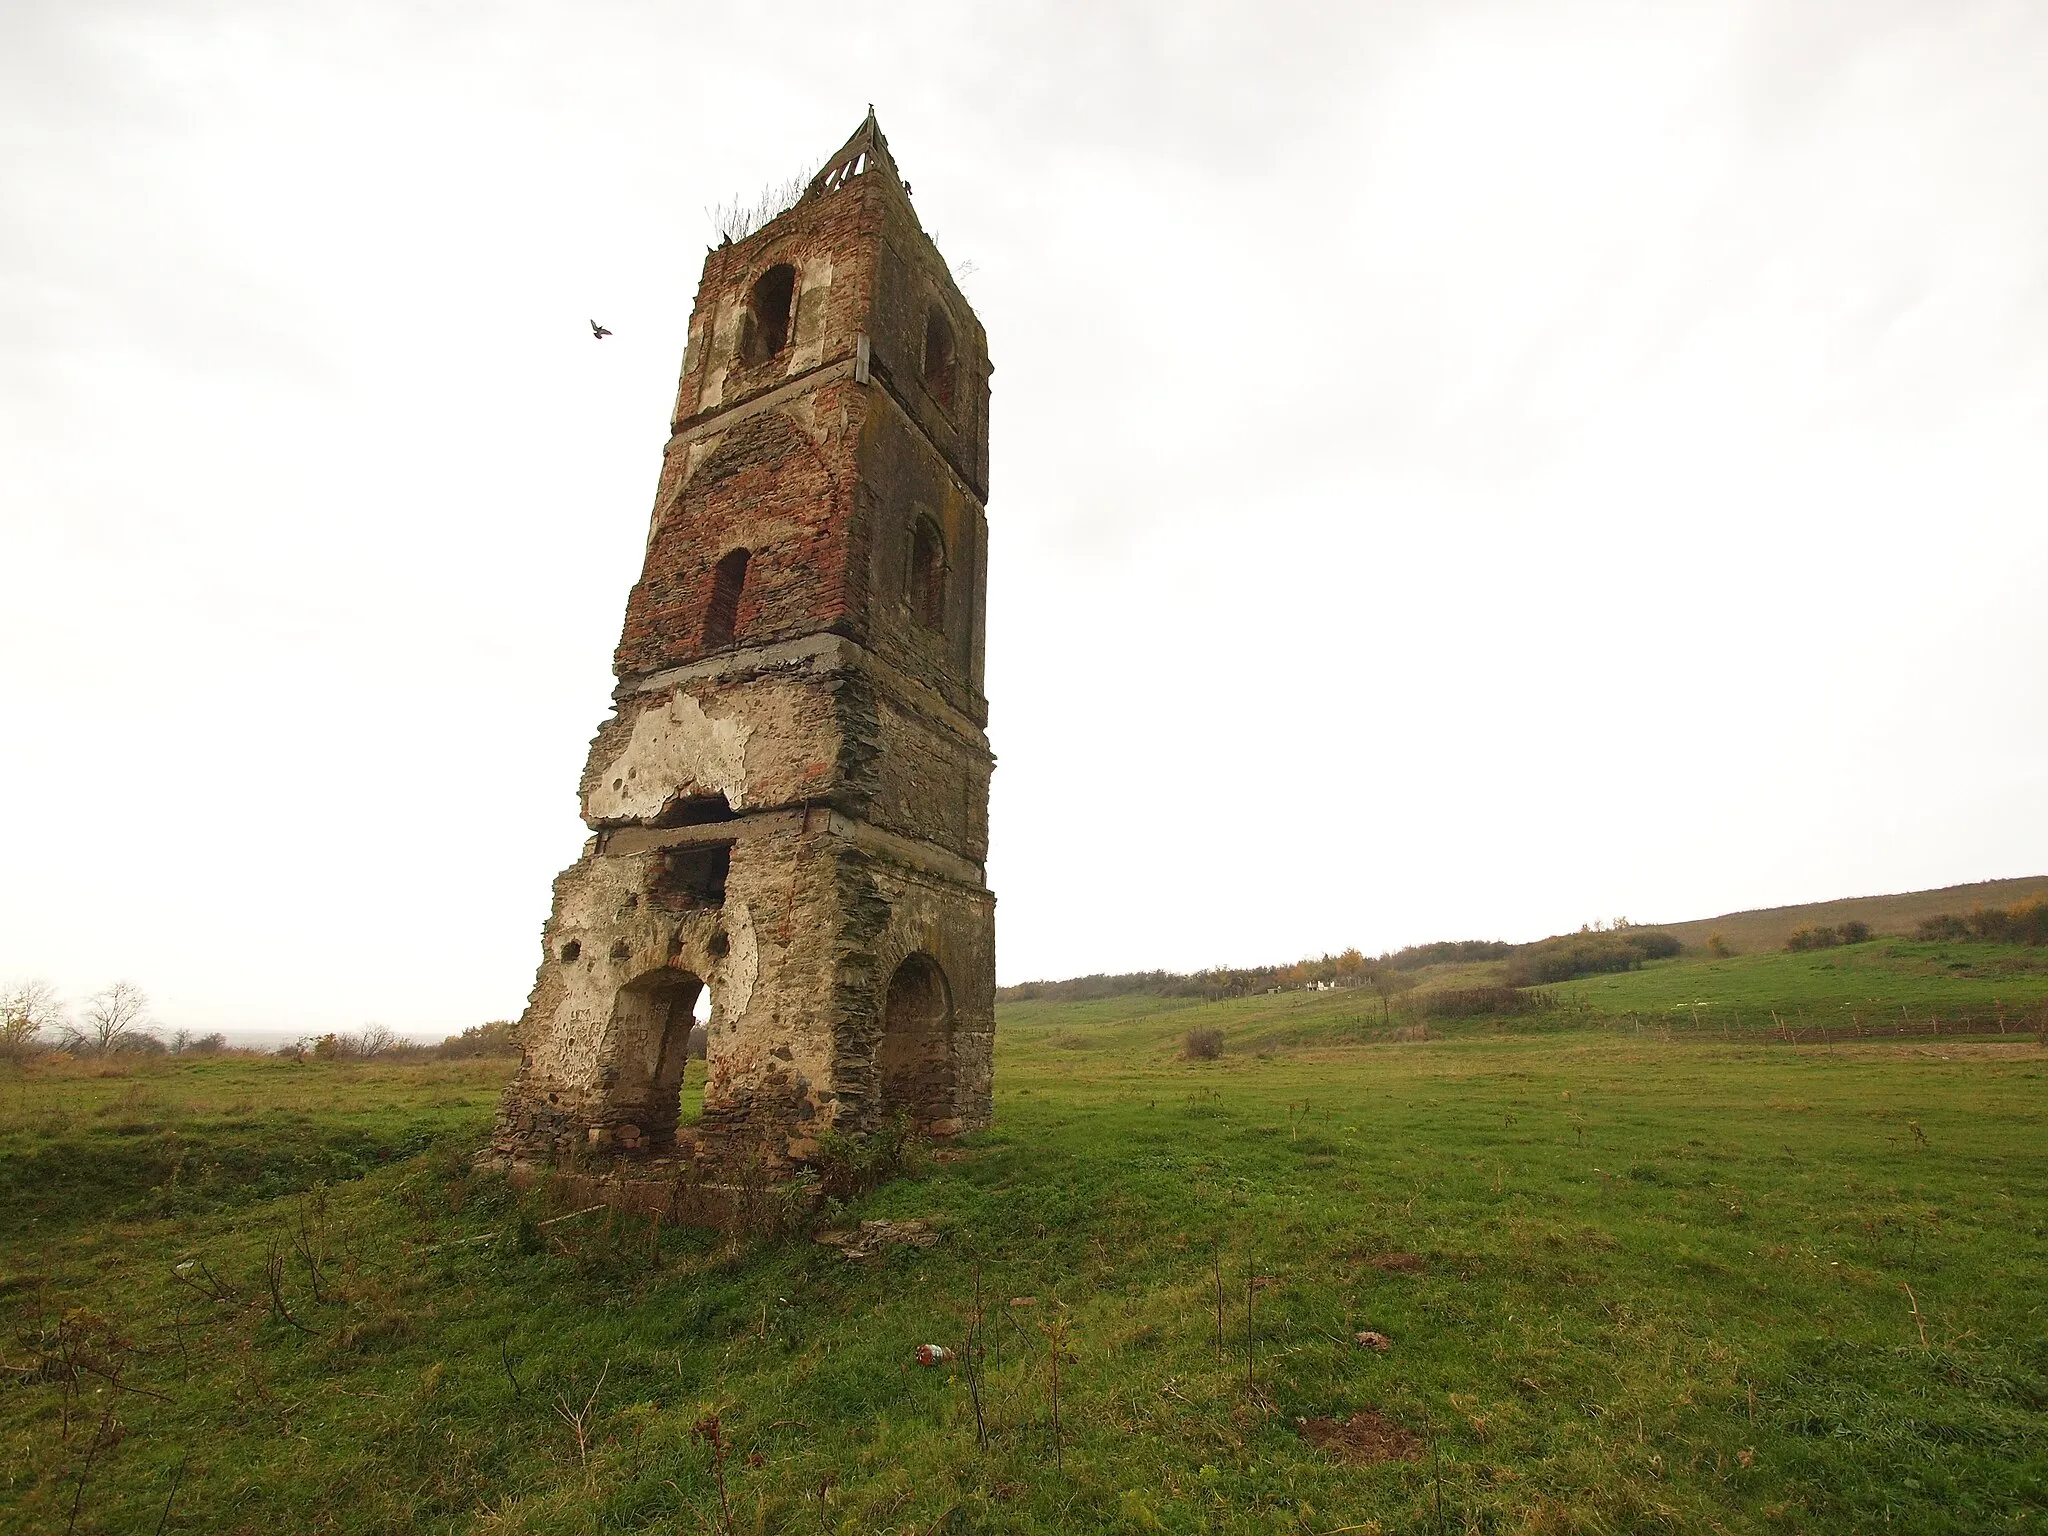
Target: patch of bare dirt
<point>1365,1439</point>
<point>1393,1263</point>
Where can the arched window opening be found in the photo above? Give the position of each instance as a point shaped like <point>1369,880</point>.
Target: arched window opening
<point>939,366</point>
<point>722,613</point>
<point>764,331</point>
<point>914,1058</point>
<point>926,591</point>
<point>654,1018</point>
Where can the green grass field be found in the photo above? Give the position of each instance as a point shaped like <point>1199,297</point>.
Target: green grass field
<point>1630,1283</point>
<point>1880,984</point>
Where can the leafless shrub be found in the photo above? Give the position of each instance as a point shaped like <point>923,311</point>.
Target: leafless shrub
<point>374,1040</point>
<point>1202,1044</point>
<point>739,218</point>
<point>185,1043</point>
<point>273,1280</point>
<point>366,1044</point>
<point>196,1275</point>
<point>100,1438</point>
<point>579,1420</point>
<point>309,1239</point>
<point>711,1430</point>
<point>1388,983</point>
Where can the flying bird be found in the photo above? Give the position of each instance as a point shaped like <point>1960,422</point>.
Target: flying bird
<point>598,331</point>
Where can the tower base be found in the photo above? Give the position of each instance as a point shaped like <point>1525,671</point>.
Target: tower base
<point>851,983</point>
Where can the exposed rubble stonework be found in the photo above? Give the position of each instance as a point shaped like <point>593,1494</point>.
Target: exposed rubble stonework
<point>789,804</point>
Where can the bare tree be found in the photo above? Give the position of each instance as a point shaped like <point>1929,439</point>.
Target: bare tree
<point>112,1021</point>
<point>1388,983</point>
<point>27,1009</point>
<point>375,1040</point>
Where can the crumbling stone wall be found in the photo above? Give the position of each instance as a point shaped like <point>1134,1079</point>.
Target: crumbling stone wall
<point>789,803</point>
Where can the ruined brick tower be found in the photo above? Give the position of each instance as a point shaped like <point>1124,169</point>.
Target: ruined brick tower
<point>789,804</point>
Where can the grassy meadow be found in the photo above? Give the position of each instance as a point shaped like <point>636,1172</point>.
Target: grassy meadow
<point>1627,1280</point>
<point>1887,985</point>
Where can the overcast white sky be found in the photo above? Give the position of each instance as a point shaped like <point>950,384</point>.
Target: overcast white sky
<point>1459,469</point>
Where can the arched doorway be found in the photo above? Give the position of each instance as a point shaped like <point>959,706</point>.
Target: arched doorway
<point>654,1017</point>
<point>914,1058</point>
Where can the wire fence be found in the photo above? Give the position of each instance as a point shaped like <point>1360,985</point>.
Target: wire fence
<point>2015,1021</point>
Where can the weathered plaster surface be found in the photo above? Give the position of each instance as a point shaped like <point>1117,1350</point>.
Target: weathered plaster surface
<point>676,749</point>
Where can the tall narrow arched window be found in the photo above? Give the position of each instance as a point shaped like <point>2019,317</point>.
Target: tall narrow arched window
<point>722,613</point>
<point>926,591</point>
<point>764,330</point>
<point>939,362</point>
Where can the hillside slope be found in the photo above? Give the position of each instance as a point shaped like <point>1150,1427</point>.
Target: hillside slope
<point>1769,927</point>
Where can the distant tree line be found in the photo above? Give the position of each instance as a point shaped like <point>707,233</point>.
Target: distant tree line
<point>1349,969</point>
<point>113,1021</point>
<point>1590,952</point>
<point>1447,952</point>
<point>1623,947</point>
<point>34,1021</point>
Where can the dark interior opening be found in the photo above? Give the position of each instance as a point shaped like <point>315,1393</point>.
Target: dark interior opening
<point>914,1057</point>
<point>938,358</point>
<point>695,811</point>
<point>766,329</point>
<point>927,575</point>
<point>690,878</point>
<point>722,613</point>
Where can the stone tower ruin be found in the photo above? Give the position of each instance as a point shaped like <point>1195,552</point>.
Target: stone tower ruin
<point>789,803</point>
